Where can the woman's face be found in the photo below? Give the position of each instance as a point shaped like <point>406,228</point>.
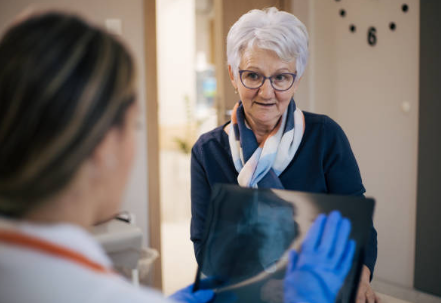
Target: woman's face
<point>118,171</point>
<point>264,106</point>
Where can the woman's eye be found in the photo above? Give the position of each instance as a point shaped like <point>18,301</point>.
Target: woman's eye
<point>280,77</point>
<point>253,76</point>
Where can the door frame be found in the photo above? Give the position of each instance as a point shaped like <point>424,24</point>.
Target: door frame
<point>151,84</point>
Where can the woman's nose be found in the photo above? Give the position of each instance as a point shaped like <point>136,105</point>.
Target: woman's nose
<point>266,91</point>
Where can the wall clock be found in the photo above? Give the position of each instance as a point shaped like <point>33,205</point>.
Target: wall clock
<point>372,30</point>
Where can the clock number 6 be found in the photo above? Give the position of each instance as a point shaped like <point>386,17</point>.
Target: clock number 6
<point>372,38</point>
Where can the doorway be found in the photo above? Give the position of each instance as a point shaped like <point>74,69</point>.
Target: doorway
<point>186,90</point>
<point>194,95</point>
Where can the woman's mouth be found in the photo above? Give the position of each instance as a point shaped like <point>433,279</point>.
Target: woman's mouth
<point>264,104</point>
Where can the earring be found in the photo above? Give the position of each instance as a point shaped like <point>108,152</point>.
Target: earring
<point>235,91</point>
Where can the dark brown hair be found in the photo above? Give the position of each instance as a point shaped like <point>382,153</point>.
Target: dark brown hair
<point>63,85</point>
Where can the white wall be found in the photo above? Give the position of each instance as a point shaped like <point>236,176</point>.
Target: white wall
<point>203,14</point>
<point>175,26</point>
<point>363,88</point>
<point>176,46</point>
<point>131,14</point>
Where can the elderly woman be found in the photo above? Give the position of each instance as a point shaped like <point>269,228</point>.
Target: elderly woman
<point>269,142</point>
<point>68,115</point>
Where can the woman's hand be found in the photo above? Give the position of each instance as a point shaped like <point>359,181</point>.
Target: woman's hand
<point>365,292</point>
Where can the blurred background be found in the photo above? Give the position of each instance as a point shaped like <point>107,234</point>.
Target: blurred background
<point>373,68</point>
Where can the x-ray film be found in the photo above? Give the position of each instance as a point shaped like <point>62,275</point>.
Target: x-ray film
<point>249,233</point>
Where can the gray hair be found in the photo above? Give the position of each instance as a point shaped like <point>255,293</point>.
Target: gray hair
<point>269,29</point>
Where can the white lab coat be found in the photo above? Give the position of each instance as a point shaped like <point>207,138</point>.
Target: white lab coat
<point>27,275</point>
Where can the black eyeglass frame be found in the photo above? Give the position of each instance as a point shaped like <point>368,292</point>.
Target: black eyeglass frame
<point>241,71</point>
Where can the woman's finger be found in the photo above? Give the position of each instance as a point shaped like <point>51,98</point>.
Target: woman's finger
<point>314,235</point>
<point>331,232</point>
<point>341,241</point>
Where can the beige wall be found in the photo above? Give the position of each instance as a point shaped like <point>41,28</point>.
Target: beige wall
<point>363,88</point>
<point>131,14</point>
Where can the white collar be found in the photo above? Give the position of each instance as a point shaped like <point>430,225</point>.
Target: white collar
<point>69,236</point>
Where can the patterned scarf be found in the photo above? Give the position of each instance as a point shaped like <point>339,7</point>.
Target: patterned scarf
<point>261,165</point>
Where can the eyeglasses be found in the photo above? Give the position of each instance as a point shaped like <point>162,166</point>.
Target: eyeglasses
<point>254,80</point>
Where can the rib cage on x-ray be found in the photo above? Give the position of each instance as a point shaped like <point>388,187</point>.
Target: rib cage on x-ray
<point>249,239</point>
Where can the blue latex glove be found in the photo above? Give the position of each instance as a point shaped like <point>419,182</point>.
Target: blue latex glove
<point>188,296</point>
<point>317,273</point>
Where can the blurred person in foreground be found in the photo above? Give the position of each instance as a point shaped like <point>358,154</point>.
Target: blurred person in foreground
<point>68,114</point>
<point>270,142</point>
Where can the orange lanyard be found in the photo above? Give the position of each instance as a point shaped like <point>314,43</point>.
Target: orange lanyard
<point>19,239</point>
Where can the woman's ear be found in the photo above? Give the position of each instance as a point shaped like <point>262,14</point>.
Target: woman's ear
<point>233,81</point>
<point>104,157</point>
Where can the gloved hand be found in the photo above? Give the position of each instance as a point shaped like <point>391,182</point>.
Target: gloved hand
<point>187,295</point>
<point>317,273</point>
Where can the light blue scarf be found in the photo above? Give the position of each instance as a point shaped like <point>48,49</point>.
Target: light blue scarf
<point>260,165</point>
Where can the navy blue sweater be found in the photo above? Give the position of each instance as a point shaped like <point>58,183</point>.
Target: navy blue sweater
<point>324,163</point>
